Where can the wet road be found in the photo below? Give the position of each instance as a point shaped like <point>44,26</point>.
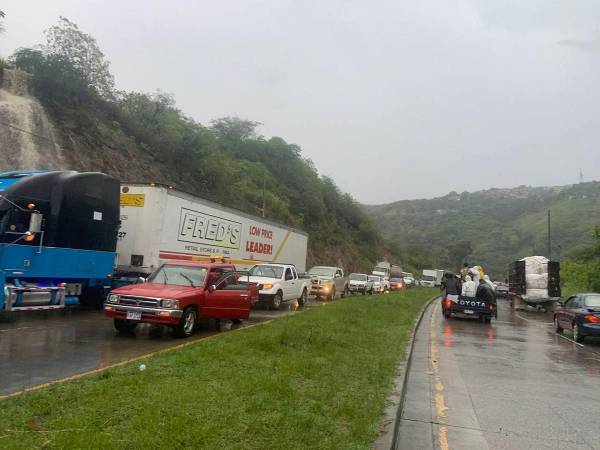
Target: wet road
<point>36,350</point>
<point>513,384</point>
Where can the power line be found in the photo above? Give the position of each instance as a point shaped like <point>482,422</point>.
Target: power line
<point>8,125</point>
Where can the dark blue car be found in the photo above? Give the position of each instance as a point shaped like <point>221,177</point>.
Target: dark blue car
<point>580,313</point>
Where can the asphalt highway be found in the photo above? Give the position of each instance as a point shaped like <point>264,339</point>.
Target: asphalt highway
<point>512,384</point>
<point>39,349</point>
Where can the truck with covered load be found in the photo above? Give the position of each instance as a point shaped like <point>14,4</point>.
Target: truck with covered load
<point>535,281</point>
<point>58,237</point>
<point>387,271</point>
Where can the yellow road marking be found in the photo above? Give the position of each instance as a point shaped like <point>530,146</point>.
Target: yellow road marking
<point>121,363</point>
<point>440,401</point>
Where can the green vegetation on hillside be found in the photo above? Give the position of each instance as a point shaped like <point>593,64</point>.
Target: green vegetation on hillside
<point>319,379</point>
<point>582,272</point>
<point>500,225</point>
<point>228,162</point>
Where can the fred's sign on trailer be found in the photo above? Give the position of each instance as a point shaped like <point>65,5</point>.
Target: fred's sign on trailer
<point>159,223</point>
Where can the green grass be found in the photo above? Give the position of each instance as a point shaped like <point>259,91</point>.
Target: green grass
<point>319,379</point>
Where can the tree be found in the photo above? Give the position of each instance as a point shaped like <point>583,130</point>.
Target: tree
<point>234,129</point>
<point>2,16</point>
<point>458,252</point>
<point>66,42</point>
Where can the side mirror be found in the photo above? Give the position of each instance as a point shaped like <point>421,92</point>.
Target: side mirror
<point>35,222</point>
<point>212,288</point>
<point>141,280</point>
<point>337,275</point>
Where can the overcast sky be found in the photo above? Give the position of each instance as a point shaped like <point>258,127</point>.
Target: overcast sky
<point>393,99</point>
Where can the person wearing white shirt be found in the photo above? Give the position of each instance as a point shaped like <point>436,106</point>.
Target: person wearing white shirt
<point>469,287</point>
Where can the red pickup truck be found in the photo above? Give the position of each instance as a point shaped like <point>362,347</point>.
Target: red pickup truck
<point>179,293</point>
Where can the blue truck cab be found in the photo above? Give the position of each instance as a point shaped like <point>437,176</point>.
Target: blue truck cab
<point>58,238</point>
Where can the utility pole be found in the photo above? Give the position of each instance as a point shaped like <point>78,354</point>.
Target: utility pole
<point>264,202</point>
<point>549,238</point>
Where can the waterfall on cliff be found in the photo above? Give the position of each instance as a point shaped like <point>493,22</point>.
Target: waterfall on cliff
<point>27,137</point>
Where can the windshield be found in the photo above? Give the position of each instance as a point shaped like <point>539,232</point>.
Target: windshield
<point>322,271</point>
<point>179,275</point>
<point>592,301</point>
<point>396,280</point>
<point>266,271</point>
<point>376,279</point>
<point>428,278</point>
<point>358,277</point>
<point>381,269</point>
<point>408,275</point>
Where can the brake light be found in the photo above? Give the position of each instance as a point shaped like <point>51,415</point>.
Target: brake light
<point>491,307</point>
<point>592,319</point>
<point>447,303</point>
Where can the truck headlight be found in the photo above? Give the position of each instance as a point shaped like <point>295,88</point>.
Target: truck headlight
<point>169,304</point>
<point>267,286</point>
<point>112,298</point>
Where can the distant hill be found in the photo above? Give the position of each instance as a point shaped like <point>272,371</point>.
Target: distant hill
<point>500,224</point>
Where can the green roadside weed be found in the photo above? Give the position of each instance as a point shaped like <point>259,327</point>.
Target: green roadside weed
<point>319,379</point>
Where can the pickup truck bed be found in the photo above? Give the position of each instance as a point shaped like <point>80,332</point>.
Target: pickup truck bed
<point>460,306</point>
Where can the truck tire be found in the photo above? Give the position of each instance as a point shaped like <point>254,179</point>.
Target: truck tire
<point>371,291</point>
<point>557,327</point>
<point>488,319</point>
<point>332,295</point>
<point>277,300</point>
<point>303,298</point>
<point>187,323</point>
<point>125,326</point>
<point>345,292</point>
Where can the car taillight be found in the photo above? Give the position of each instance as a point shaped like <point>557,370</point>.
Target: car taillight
<point>491,307</point>
<point>592,319</point>
<point>447,303</point>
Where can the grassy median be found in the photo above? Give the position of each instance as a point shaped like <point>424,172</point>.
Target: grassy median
<point>314,380</point>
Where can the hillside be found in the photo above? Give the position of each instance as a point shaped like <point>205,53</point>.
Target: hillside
<point>499,224</point>
<point>59,110</point>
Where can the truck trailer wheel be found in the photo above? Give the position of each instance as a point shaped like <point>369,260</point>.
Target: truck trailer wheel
<point>125,326</point>
<point>277,300</point>
<point>303,298</point>
<point>187,323</point>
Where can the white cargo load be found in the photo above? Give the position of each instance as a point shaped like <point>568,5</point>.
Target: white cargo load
<point>159,223</point>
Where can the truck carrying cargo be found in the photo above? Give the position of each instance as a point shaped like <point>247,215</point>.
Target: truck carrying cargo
<point>159,224</point>
<point>387,271</point>
<point>58,235</point>
<point>534,280</point>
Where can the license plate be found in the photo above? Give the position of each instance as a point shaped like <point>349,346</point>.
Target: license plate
<point>468,311</point>
<point>134,315</point>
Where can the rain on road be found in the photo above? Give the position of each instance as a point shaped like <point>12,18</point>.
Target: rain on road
<point>514,384</point>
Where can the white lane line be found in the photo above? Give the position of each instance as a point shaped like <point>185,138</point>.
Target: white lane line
<point>570,340</point>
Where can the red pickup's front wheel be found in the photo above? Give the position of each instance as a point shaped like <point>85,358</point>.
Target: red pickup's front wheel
<point>125,326</point>
<point>187,323</point>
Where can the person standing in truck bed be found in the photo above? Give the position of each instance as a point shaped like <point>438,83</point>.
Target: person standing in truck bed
<point>450,285</point>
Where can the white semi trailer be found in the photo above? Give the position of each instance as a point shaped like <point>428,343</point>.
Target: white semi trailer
<point>159,223</point>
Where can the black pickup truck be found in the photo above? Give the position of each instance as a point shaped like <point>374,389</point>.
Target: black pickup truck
<point>460,306</point>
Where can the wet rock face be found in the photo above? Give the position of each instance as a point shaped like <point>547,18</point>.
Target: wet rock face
<point>30,138</point>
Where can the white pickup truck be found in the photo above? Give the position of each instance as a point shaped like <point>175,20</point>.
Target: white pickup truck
<point>279,283</point>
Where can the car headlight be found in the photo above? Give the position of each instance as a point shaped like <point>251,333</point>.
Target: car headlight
<point>267,286</point>
<point>112,298</point>
<point>170,304</point>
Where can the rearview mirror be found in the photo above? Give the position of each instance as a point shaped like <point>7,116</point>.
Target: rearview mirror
<point>212,288</point>
<point>35,222</point>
